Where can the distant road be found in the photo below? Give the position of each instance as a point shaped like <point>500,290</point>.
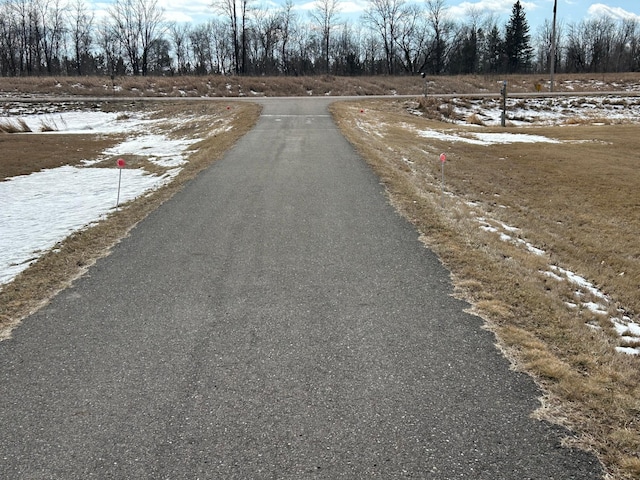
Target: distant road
<point>276,319</point>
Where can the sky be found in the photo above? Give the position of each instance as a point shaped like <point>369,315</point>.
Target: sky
<point>45,207</point>
<point>569,11</point>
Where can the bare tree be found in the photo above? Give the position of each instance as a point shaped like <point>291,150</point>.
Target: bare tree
<point>412,38</point>
<point>179,35</point>
<point>288,30</point>
<point>372,53</point>
<point>383,16</point>
<point>202,51</point>
<point>26,36</point>
<point>441,27</point>
<point>137,24</point>
<point>80,30</point>
<point>544,42</point>
<point>267,28</point>
<point>235,12</point>
<point>599,35</point>
<point>347,52</point>
<point>325,14</point>
<point>50,27</point>
<point>106,39</point>
<point>625,44</point>
<point>9,41</point>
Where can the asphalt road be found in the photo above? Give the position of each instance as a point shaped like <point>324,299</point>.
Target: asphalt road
<point>276,319</point>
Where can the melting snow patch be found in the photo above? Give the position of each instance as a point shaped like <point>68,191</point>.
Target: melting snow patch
<point>479,138</point>
<point>595,307</point>
<point>628,332</point>
<point>580,281</point>
<point>41,209</point>
<point>628,350</point>
<point>494,138</point>
<point>160,149</point>
<point>68,199</point>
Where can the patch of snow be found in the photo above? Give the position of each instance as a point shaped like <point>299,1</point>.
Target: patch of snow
<point>504,138</point>
<point>628,331</point>
<point>551,275</point>
<point>581,282</point>
<point>41,209</point>
<point>161,150</point>
<point>509,228</point>
<point>534,250</point>
<point>66,199</point>
<point>629,350</point>
<point>595,307</point>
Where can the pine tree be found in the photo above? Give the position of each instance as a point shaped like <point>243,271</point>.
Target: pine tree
<point>493,51</point>
<point>517,41</point>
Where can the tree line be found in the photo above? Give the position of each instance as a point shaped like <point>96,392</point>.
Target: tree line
<point>64,37</point>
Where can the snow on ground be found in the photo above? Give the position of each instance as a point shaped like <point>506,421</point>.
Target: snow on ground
<point>586,295</point>
<point>479,138</point>
<point>541,111</point>
<point>43,208</point>
<point>547,111</point>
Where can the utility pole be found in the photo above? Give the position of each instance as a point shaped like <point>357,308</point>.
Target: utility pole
<point>553,43</point>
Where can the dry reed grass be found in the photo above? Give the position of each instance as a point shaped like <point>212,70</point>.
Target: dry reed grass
<point>578,201</point>
<point>14,126</point>
<point>236,86</point>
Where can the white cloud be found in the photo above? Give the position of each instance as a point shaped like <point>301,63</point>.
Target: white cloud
<point>495,7</point>
<point>305,6</point>
<point>599,9</point>
<point>191,11</point>
<point>352,6</point>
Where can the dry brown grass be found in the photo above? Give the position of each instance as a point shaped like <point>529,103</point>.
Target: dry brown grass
<point>70,258</point>
<point>235,86</point>
<point>578,201</point>
<point>24,154</point>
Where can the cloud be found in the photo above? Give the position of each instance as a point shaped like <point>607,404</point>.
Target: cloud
<point>491,7</point>
<point>599,9</point>
<point>193,10</point>
<point>352,6</point>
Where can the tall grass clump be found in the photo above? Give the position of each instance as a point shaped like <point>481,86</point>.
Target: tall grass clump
<point>11,126</point>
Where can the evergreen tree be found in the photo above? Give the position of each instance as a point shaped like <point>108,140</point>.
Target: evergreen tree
<point>493,51</point>
<point>517,41</point>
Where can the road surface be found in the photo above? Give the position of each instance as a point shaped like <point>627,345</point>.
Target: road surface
<point>276,319</point>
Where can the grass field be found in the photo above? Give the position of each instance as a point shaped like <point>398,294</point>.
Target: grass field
<point>517,223</point>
